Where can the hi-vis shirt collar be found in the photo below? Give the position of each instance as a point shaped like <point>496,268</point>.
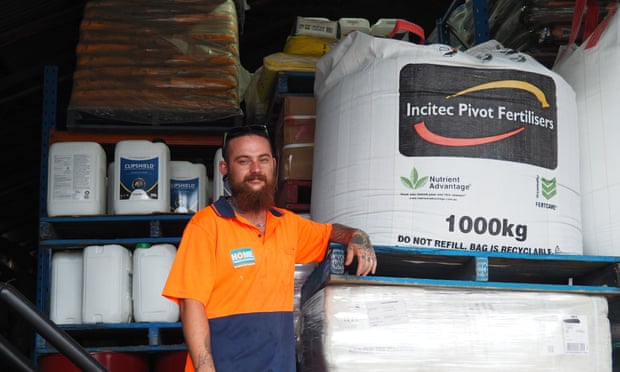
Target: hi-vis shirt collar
<point>224,209</point>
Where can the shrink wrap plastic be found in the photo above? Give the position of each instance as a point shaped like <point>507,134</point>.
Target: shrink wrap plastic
<point>405,328</point>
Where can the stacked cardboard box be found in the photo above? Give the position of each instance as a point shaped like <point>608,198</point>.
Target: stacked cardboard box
<point>294,140</point>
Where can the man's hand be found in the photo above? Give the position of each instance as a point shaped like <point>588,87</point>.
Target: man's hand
<point>358,245</point>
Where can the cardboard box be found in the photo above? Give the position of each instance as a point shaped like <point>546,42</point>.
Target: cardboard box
<point>298,105</point>
<point>296,122</point>
<point>296,162</point>
<point>298,129</point>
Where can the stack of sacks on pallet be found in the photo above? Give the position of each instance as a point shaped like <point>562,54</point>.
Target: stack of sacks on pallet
<point>154,62</point>
<point>410,328</point>
<point>426,146</point>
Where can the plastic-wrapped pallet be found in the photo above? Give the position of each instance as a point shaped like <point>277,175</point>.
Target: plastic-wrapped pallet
<point>302,271</point>
<point>158,61</point>
<point>409,328</point>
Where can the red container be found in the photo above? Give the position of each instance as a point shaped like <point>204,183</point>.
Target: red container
<point>173,361</point>
<point>113,361</point>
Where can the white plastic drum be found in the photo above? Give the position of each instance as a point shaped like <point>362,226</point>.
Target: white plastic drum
<point>425,146</point>
<point>66,287</point>
<point>151,266</point>
<point>106,291</point>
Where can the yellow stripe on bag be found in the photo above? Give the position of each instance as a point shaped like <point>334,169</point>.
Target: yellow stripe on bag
<point>516,84</point>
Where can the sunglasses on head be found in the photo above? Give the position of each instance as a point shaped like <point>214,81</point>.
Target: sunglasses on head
<point>260,130</point>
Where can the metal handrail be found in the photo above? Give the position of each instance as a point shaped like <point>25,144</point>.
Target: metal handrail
<point>15,357</point>
<point>48,330</point>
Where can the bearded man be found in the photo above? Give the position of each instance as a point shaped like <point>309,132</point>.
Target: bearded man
<point>233,274</point>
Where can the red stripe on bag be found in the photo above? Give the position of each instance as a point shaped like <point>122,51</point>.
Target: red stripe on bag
<point>596,34</point>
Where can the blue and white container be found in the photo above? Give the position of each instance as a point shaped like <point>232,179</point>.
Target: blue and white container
<point>188,186</point>
<point>76,179</point>
<point>141,177</point>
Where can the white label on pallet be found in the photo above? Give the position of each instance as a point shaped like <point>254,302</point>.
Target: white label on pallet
<point>388,312</point>
<point>575,329</point>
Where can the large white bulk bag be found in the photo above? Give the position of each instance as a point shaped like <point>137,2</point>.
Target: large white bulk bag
<point>425,146</point>
<point>593,70</point>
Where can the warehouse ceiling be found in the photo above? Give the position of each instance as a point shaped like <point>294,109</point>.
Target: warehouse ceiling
<point>36,33</point>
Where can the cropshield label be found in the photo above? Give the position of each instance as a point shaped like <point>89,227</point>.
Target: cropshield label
<point>139,175</point>
<point>497,114</point>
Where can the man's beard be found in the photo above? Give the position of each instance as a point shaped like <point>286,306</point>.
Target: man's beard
<point>247,199</point>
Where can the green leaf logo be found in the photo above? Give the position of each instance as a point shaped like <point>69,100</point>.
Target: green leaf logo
<point>549,188</point>
<point>414,181</point>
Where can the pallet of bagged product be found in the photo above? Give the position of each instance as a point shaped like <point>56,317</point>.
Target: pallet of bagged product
<point>156,62</point>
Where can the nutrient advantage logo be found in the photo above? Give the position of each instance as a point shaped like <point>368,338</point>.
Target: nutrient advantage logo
<point>478,113</point>
<point>414,181</point>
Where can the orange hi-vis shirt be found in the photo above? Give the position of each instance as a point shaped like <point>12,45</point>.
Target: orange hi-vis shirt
<point>241,274</point>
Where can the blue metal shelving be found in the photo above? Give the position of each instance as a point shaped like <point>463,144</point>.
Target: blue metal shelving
<point>137,337</point>
<point>73,232</point>
<point>598,275</point>
<point>480,20</point>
